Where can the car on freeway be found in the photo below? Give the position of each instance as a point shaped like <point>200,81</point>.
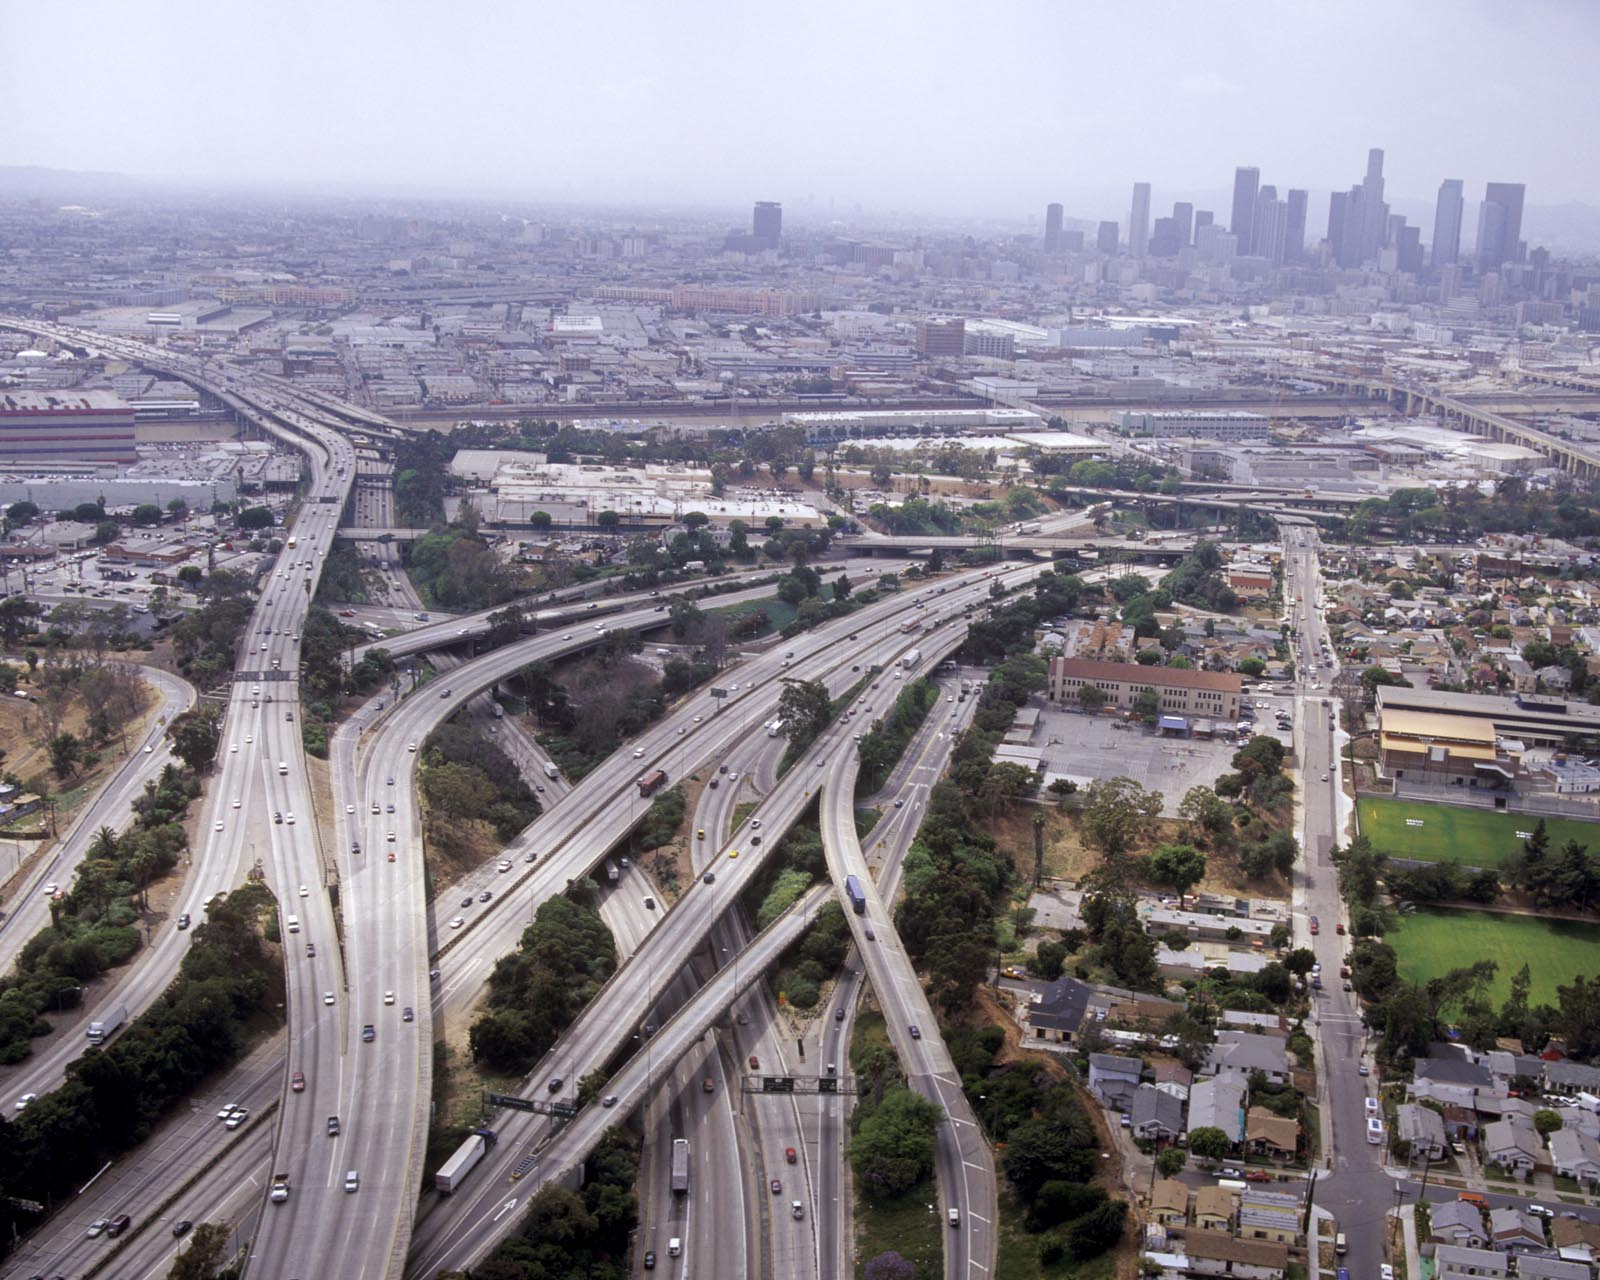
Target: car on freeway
<point>610,1100</point>
<point>239,1116</point>
<point>777,1186</point>
<point>183,920</point>
<point>916,1031</point>
<point>97,1227</point>
<point>406,1015</point>
<point>182,1226</point>
<point>327,997</point>
<point>298,1082</point>
<point>369,1033</point>
<point>649,1259</point>
<point>456,922</point>
<point>838,1014</point>
<point>485,896</point>
<point>790,1156</point>
<point>388,997</point>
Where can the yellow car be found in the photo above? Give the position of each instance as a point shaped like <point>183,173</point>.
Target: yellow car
<point>733,853</point>
<point>700,834</point>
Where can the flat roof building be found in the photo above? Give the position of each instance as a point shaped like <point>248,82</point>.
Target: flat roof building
<point>1533,721</point>
<point>1192,424</point>
<point>88,426</point>
<point>1184,692</point>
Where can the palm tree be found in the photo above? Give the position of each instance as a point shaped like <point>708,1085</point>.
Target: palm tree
<point>104,844</point>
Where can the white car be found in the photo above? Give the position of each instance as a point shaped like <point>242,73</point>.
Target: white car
<point>233,748</point>
<point>456,922</point>
<point>218,826</point>
<point>638,753</point>
<point>327,997</point>
<point>305,892</point>
<point>236,802</point>
<point>388,997</point>
<point>24,1100</point>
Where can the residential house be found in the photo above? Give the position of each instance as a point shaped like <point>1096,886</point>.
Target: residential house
<point>1576,1240</point>
<point>1574,1154</point>
<point>1174,1078</point>
<point>1155,1115</point>
<point>1218,1104</point>
<point>1169,1202</point>
<point>1241,1054</point>
<point>1534,1266</point>
<point>1450,1078</point>
<point>1571,1077</point>
<point>1513,1145</point>
<point>1213,1209</point>
<point>1423,1129</point>
<point>1056,1012</point>
<point>1454,1260</point>
<point>1515,1230</point>
<point>1269,1215</point>
<point>1114,1079</point>
<point>1215,1253</point>
<point>1267,1133</point>
<point>1459,1223</point>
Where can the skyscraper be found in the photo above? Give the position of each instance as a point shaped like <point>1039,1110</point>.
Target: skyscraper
<point>1294,235</point>
<point>1139,220</point>
<point>1245,182</point>
<point>1338,212</point>
<point>1374,212</point>
<point>1105,240</point>
<point>1183,223</point>
<point>1052,228</point>
<point>1270,224</point>
<point>1500,225</point>
<point>1447,224</point>
<point>766,224</point>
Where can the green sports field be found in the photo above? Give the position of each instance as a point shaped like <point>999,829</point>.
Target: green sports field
<point>1429,943</point>
<point>1475,837</point>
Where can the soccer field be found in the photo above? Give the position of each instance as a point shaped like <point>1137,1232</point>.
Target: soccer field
<point>1476,837</point>
<point>1429,943</point>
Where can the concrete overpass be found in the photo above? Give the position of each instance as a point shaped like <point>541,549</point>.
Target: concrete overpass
<point>1576,459</point>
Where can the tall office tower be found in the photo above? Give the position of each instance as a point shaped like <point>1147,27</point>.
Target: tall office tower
<point>1202,218</point>
<point>1294,234</point>
<point>1408,245</point>
<point>1245,182</point>
<point>1164,238</point>
<point>1500,225</point>
<point>1374,212</point>
<point>1271,226</point>
<point>1449,281</point>
<point>1338,212</point>
<point>1052,228</point>
<point>1264,197</point>
<point>1139,220</point>
<point>1447,224</point>
<point>1183,222</point>
<point>1105,240</point>
<point>766,225</point>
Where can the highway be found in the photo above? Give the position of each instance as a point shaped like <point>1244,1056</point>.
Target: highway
<point>29,909</point>
<point>604,1027</point>
<point>964,1161</point>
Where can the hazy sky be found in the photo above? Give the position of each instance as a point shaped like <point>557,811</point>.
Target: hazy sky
<point>963,106</point>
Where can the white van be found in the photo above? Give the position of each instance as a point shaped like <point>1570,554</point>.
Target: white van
<point>674,1247</point>
<point>283,769</point>
<point>1374,1130</point>
<point>294,924</point>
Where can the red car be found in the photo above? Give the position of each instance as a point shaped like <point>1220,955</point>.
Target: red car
<point>1316,926</point>
<point>1258,1175</point>
<point>789,1155</point>
<point>297,1082</point>
<point>777,1187</point>
<point>1339,928</point>
<point>755,1063</point>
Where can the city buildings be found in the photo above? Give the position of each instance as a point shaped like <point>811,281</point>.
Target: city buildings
<point>1246,182</point>
<point>1446,248</point>
<point>766,223</point>
<point>1139,220</point>
<point>1499,226</point>
<point>1213,695</point>
<point>86,426</point>
<point>1052,228</point>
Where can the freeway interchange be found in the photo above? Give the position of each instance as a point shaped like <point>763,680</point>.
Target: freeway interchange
<point>368,972</point>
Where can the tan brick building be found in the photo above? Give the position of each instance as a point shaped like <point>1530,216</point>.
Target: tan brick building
<point>1183,692</point>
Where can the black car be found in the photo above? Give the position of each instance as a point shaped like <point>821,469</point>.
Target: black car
<point>408,1015</point>
<point>467,901</point>
<point>838,1015</point>
<point>649,1259</point>
<point>181,1226</point>
<point>485,896</point>
<point>369,1033</point>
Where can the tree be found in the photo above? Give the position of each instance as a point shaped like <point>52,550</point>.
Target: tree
<point>1097,1231</point>
<point>146,513</point>
<point>1253,667</point>
<point>1299,961</point>
<point>17,614</point>
<point>1171,1161</point>
<point>20,513</point>
<point>1208,1142</point>
<point>66,753</point>
<point>1049,959</point>
<point>1180,865</point>
<point>1119,813</point>
<point>890,1266</point>
<point>1206,812</point>
<point>892,1150</point>
<point>1147,705</point>
<point>255,518</point>
<point>805,709</point>
<point>1263,756</point>
<point>194,737</point>
<point>1546,1121</point>
<point>105,532</point>
<point>205,1254</point>
<point>608,520</point>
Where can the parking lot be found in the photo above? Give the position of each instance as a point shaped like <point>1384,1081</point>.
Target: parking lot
<point>1085,748</point>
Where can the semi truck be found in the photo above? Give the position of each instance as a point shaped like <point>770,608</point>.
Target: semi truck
<point>858,899</point>
<point>612,874</point>
<point>464,1161</point>
<point>910,658</point>
<point>680,1166</point>
<point>774,728</point>
<point>107,1025</point>
<point>652,782</point>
